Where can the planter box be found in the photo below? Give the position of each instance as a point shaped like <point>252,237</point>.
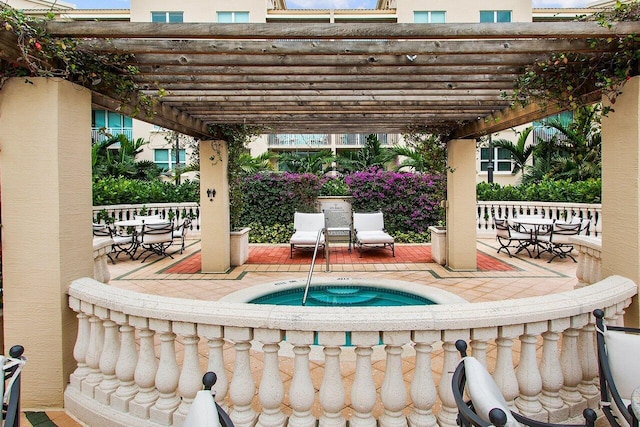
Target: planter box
<point>239,246</point>
<point>439,244</point>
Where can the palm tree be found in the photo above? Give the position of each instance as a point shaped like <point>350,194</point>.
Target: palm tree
<point>520,152</point>
<point>370,155</point>
<point>316,162</point>
<point>423,153</point>
<point>249,164</point>
<point>574,152</point>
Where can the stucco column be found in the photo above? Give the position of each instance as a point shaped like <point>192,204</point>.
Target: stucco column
<point>461,204</point>
<point>45,162</point>
<point>621,190</point>
<point>214,211</point>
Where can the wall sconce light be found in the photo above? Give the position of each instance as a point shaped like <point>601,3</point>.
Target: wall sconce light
<point>211,193</point>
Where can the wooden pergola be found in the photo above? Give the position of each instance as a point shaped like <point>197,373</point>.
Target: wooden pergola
<point>318,78</point>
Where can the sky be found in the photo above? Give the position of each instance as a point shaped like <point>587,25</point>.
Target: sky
<point>313,4</point>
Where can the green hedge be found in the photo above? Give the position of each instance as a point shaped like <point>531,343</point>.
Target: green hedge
<point>117,191</point>
<point>563,191</point>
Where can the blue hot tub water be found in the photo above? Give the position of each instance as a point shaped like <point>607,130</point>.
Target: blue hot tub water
<point>343,296</point>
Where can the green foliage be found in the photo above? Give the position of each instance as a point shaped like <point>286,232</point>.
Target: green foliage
<point>574,152</point>
<point>42,55</point>
<point>371,155</point>
<point>422,153</point>
<point>272,198</point>
<point>412,237</point>
<point>565,78</point>
<point>275,233</point>
<point>115,191</point>
<point>316,162</point>
<point>563,191</point>
<point>334,187</point>
<point>107,161</point>
<point>520,151</point>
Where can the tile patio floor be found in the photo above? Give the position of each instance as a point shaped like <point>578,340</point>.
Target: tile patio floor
<point>498,277</point>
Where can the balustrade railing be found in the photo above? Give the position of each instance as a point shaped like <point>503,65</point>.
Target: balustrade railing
<point>166,210</point>
<point>140,358</point>
<point>488,211</point>
<point>589,267</point>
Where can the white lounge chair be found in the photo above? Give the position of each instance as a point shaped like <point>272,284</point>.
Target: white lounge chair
<point>306,228</point>
<point>369,232</point>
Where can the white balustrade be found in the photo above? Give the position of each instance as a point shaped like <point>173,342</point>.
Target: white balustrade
<point>165,210</point>
<point>120,379</point>
<point>589,268</point>
<point>487,211</point>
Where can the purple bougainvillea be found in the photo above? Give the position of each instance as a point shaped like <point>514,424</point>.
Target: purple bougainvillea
<point>410,201</point>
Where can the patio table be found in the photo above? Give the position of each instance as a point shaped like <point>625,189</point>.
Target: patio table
<point>136,225</point>
<point>536,223</point>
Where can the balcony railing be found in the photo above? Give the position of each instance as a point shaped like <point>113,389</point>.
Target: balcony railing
<point>298,141</point>
<point>139,361</point>
<point>360,139</point>
<point>102,134</point>
<point>127,212</point>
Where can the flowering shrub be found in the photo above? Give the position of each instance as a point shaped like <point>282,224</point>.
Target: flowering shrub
<point>409,201</point>
<point>272,198</point>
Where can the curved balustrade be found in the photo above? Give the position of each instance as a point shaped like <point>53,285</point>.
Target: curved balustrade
<point>140,358</point>
<point>487,211</point>
<point>589,268</point>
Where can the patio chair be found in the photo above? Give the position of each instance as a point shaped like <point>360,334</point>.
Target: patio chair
<point>487,405</point>
<point>558,241</point>
<point>156,238</point>
<point>204,411</point>
<point>369,232</point>
<point>507,236</point>
<point>306,228</point>
<point>180,233</point>
<point>12,367</point>
<point>121,243</point>
<point>619,372</point>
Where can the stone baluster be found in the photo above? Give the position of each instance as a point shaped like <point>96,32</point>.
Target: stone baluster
<point>215,342</point>
<point>582,267</point>
<point>108,361</point>
<point>423,389</point>
<point>301,391</point>
<point>80,347</point>
<point>479,339</point>
<point>589,364</point>
<point>166,376</point>
<point>505,373</point>
<point>332,393</point>
<point>363,389</point>
<point>449,410</point>
<point>146,369</point>
<point>551,372</point>
<point>528,374</point>
<point>101,250</point>
<point>243,386</point>
<point>190,380</point>
<point>126,366</point>
<point>393,392</point>
<point>572,371</point>
<point>94,351</point>
<point>271,390</point>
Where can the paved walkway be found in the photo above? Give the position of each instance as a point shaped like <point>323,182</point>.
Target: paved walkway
<point>498,277</point>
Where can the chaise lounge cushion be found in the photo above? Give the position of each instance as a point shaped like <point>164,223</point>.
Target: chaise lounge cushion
<point>374,237</point>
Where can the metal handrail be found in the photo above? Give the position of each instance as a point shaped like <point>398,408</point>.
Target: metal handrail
<point>313,263</point>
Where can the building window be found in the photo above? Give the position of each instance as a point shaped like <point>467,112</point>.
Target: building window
<point>429,17</point>
<point>166,158</point>
<point>233,17</point>
<point>172,17</point>
<point>495,16</point>
<point>501,160</point>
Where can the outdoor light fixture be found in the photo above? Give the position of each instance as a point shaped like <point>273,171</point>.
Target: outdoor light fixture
<point>211,193</point>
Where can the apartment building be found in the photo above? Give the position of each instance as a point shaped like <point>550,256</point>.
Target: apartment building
<point>167,149</point>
